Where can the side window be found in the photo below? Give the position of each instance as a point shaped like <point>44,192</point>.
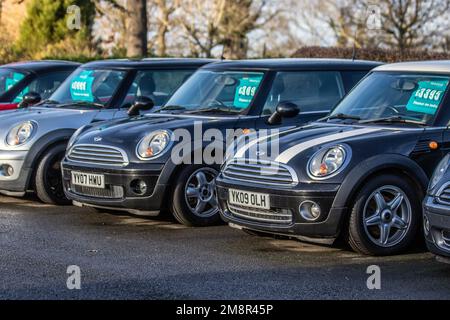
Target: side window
<point>45,85</point>
<point>159,85</point>
<point>351,78</point>
<point>310,90</point>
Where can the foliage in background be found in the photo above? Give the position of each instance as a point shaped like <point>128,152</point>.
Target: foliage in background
<point>44,31</point>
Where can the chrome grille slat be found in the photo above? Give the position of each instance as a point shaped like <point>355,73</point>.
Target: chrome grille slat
<point>103,155</point>
<point>261,172</point>
<point>261,215</point>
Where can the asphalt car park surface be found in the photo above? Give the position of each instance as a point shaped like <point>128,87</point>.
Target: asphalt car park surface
<point>126,257</point>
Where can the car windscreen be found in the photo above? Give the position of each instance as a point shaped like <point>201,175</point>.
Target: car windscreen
<point>228,92</point>
<point>383,95</point>
<point>96,86</point>
<point>9,79</point>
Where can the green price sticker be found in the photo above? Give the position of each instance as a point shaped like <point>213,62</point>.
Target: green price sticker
<point>427,98</point>
<point>246,91</point>
<point>81,86</point>
<point>11,81</point>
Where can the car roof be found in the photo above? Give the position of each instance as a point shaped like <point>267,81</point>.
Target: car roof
<point>434,66</point>
<point>295,64</point>
<point>42,65</point>
<point>148,63</point>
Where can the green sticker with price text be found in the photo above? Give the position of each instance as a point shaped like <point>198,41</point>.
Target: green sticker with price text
<point>245,91</point>
<point>427,98</point>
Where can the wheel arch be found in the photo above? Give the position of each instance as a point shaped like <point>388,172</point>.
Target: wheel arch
<point>377,165</point>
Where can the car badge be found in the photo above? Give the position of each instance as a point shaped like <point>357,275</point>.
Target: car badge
<point>98,139</point>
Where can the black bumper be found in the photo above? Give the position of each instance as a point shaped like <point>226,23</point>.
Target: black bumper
<point>327,226</point>
<point>438,217</point>
<point>120,180</point>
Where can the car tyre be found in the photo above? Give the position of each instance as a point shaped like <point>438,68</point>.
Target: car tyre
<point>193,199</point>
<point>48,177</point>
<point>385,217</point>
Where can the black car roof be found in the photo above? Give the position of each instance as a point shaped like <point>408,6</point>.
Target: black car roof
<point>296,64</point>
<point>42,65</point>
<point>148,63</point>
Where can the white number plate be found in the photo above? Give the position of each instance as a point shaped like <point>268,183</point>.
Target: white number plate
<point>249,199</point>
<point>88,180</point>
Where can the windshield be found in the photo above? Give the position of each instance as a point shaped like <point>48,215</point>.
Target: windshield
<point>230,92</point>
<point>9,79</point>
<point>89,86</point>
<point>388,96</point>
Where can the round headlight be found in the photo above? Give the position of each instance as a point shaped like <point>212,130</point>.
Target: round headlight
<point>153,145</point>
<point>326,162</point>
<point>440,171</point>
<point>20,134</point>
<point>74,137</point>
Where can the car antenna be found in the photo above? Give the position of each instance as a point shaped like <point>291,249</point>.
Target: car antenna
<point>222,55</point>
<point>354,46</point>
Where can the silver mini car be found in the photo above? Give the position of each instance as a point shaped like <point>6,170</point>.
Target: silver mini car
<point>33,141</point>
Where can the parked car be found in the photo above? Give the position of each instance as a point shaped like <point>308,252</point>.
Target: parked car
<point>437,212</point>
<point>33,141</point>
<point>40,78</point>
<point>143,178</point>
<point>361,172</point>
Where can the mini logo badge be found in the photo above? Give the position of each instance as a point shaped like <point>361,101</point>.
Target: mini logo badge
<point>98,139</point>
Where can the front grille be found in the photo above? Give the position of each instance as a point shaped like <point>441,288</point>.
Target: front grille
<point>261,172</point>
<point>93,154</point>
<point>110,192</point>
<point>278,216</point>
<point>444,194</point>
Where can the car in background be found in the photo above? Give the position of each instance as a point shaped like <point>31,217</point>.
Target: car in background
<point>33,140</point>
<point>37,78</point>
<point>360,173</point>
<point>436,219</point>
<point>127,164</point>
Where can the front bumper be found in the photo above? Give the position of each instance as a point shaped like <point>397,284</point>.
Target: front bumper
<point>119,193</point>
<point>325,229</point>
<point>437,236</point>
<point>17,183</point>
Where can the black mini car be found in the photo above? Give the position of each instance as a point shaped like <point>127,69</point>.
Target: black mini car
<point>128,164</point>
<point>41,78</point>
<point>437,212</point>
<point>361,172</point>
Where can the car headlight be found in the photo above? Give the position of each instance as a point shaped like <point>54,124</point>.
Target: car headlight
<point>328,161</point>
<point>440,171</point>
<point>20,134</point>
<point>74,137</point>
<point>153,145</point>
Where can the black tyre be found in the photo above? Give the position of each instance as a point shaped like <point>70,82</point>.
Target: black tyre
<point>193,200</point>
<point>48,178</point>
<point>385,217</point>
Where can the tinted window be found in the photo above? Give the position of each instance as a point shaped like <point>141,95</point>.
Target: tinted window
<point>45,85</point>
<point>8,79</point>
<point>351,78</point>
<point>311,91</point>
<point>158,85</point>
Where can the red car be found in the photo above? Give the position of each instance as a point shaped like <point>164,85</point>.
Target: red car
<point>39,78</point>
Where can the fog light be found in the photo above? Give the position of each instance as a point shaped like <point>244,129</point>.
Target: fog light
<point>309,210</point>
<point>426,225</point>
<point>139,187</point>
<point>7,170</point>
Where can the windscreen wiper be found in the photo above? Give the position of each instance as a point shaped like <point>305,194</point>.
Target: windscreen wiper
<point>341,116</point>
<point>171,108</point>
<point>212,110</point>
<point>393,119</point>
<point>82,103</point>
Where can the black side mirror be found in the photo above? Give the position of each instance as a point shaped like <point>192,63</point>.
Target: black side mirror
<point>284,110</point>
<point>141,104</point>
<point>30,99</point>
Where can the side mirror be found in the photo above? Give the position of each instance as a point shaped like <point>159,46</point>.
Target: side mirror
<point>284,110</point>
<point>30,99</point>
<point>141,104</point>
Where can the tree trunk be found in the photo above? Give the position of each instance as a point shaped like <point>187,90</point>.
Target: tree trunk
<point>136,32</point>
